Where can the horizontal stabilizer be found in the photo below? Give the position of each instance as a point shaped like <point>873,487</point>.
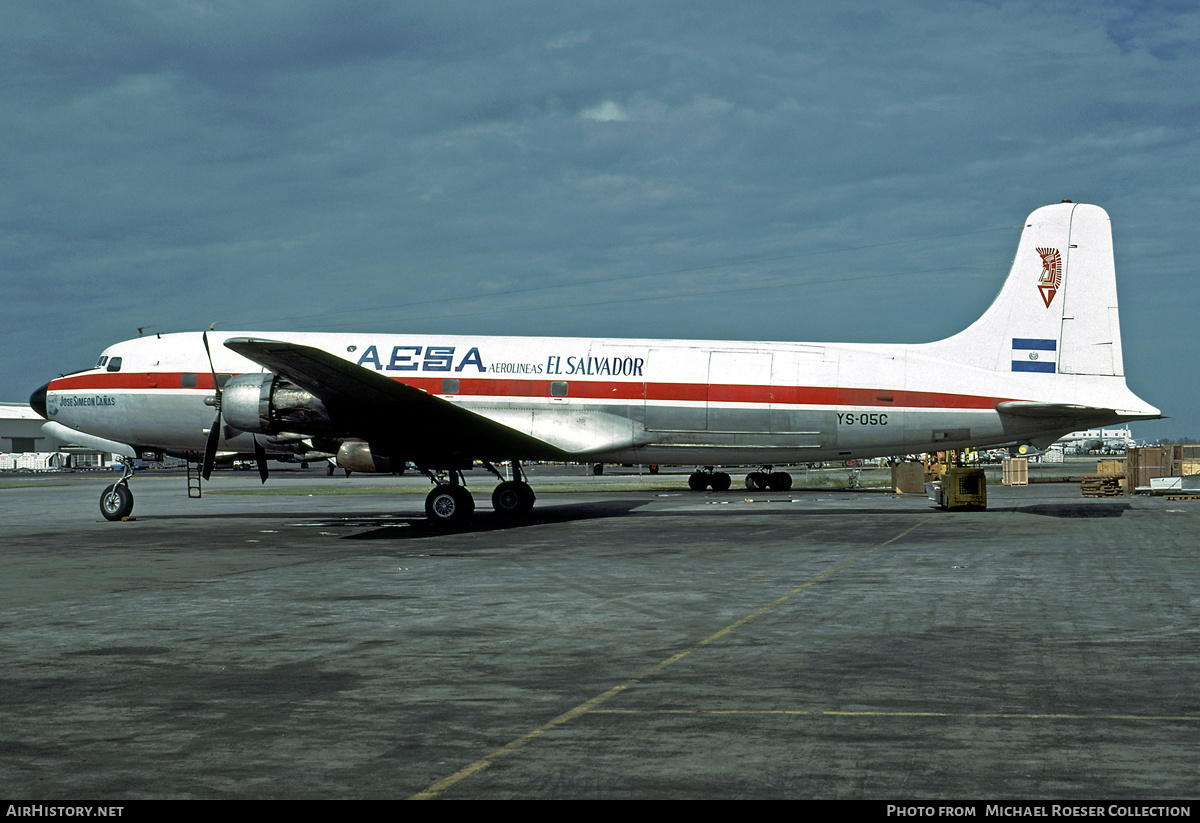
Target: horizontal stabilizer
<point>1029,408</point>
<point>1078,417</point>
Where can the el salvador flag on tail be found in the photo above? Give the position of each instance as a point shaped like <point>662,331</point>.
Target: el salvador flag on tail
<point>1034,354</point>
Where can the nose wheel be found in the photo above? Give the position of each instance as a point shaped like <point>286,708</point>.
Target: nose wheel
<point>116,501</point>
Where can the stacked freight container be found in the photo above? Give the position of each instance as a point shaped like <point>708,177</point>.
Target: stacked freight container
<point>1146,462</point>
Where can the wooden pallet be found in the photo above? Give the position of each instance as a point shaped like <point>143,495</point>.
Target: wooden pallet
<point>1101,485</point>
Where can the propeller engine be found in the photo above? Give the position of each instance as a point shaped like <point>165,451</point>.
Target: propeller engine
<point>214,433</point>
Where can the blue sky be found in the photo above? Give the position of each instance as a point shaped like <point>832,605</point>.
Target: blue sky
<point>754,170</point>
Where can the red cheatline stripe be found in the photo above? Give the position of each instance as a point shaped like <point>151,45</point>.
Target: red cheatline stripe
<point>595,390</point>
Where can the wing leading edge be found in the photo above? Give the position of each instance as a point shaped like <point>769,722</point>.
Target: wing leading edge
<point>409,421</point>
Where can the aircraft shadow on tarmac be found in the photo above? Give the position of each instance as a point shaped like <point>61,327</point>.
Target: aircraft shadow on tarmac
<point>1068,510</point>
<point>410,528</point>
<point>418,527</point>
<point>388,526</point>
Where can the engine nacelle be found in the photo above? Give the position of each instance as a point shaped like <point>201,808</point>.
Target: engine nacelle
<point>268,403</point>
<point>357,456</point>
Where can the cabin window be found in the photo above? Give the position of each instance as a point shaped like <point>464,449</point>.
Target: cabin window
<point>450,385</point>
<point>187,381</point>
<point>114,364</point>
<point>558,388</point>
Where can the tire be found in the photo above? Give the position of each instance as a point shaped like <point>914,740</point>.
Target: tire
<point>513,499</point>
<point>697,481</point>
<point>527,497</point>
<point>779,481</point>
<point>449,505</point>
<point>116,502</point>
<point>721,482</point>
<point>756,481</point>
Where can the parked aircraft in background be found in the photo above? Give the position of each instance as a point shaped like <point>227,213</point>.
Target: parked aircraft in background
<point>1044,360</point>
<point>1099,440</point>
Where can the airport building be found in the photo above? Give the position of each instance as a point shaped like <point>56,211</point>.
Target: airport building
<point>25,447</point>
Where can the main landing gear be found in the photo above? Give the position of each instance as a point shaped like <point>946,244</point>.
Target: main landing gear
<point>767,479</point>
<point>116,501</point>
<point>701,479</point>
<point>705,477</point>
<point>450,503</point>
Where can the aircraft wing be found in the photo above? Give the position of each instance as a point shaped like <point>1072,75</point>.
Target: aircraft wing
<point>367,404</point>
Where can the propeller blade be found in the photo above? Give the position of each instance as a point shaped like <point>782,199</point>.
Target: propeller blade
<point>260,457</point>
<point>211,368</point>
<point>214,434</point>
<point>210,447</point>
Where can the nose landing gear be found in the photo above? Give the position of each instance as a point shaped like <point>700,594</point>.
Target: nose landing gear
<point>116,501</point>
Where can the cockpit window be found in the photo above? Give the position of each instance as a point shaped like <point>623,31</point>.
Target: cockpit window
<point>114,364</point>
<point>103,359</point>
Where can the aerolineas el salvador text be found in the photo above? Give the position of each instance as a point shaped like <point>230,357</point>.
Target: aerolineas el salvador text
<point>449,359</point>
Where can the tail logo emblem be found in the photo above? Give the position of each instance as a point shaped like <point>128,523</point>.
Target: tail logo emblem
<point>1051,279</point>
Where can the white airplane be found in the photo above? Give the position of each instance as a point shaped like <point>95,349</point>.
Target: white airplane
<point>1106,440</point>
<point>1043,361</point>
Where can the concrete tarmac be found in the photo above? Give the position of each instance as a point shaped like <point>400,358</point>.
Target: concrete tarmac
<point>620,644</point>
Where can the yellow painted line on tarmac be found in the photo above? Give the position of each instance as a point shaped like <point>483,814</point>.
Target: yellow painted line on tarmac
<point>593,705</point>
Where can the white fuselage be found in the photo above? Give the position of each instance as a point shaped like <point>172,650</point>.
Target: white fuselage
<point>647,401</point>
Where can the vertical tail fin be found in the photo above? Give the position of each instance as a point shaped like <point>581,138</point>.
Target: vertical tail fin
<point>1057,311</point>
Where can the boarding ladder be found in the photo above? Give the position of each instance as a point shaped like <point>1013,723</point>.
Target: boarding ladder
<point>193,478</point>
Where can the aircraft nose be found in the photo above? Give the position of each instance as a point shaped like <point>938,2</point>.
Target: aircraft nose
<point>37,400</point>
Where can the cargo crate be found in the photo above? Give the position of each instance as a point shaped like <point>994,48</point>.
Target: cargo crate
<point>908,478</point>
<point>1015,471</point>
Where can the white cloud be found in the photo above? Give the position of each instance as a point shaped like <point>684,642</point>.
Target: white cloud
<point>570,40</point>
<point>606,112</point>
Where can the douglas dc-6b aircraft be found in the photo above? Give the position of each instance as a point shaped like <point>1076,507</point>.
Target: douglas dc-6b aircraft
<point>1043,361</point>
